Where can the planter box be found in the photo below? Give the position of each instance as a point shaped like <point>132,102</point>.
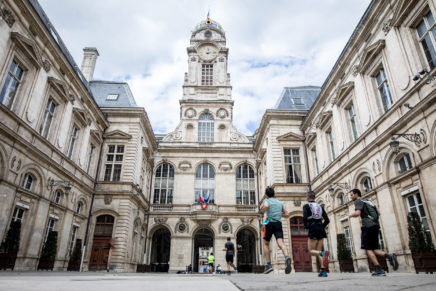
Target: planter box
<point>140,268</point>
<point>425,262</point>
<point>7,261</point>
<point>346,266</point>
<point>73,266</point>
<point>46,264</point>
<point>383,264</point>
<point>258,268</point>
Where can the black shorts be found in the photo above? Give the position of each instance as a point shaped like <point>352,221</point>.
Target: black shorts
<point>370,238</point>
<point>316,231</point>
<point>229,258</point>
<point>273,227</point>
<point>210,265</point>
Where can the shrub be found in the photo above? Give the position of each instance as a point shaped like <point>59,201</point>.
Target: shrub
<point>50,245</point>
<point>11,243</point>
<point>419,239</point>
<point>343,252</point>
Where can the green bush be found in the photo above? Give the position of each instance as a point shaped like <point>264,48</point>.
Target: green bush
<point>419,239</point>
<point>343,252</point>
<point>77,252</point>
<point>11,243</point>
<point>50,245</point>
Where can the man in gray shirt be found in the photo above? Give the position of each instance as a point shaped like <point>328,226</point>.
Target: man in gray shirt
<point>370,232</point>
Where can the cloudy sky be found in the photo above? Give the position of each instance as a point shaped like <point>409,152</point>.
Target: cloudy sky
<point>273,44</point>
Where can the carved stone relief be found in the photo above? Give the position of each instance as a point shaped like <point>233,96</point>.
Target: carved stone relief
<point>225,166</point>
<point>185,165</point>
<point>226,226</point>
<point>222,113</point>
<point>190,113</point>
<point>246,220</point>
<point>182,226</point>
<point>8,17</point>
<point>46,65</point>
<point>107,199</point>
<point>160,220</point>
<point>387,26</point>
<point>354,70</point>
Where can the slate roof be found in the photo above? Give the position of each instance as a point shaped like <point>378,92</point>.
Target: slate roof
<point>101,90</point>
<point>297,98</point>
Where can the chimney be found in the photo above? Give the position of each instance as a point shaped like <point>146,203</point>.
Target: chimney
<point>90,55</point>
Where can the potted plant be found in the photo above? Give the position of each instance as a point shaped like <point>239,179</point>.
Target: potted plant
<point>48,254</point>
<point>344,255</point>
<point>76,256</point>
<point>9,247</point>
<point>421,245</point>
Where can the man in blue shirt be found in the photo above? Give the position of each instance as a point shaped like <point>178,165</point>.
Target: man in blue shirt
<point>274,210</point>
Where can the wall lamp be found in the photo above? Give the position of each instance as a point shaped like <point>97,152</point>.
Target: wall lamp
<point>395,144</point>
<point>421,74</point>
<point>54,183</point>
<point>341,185</point>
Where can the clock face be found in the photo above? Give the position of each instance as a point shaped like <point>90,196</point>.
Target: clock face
<point>208,52</point>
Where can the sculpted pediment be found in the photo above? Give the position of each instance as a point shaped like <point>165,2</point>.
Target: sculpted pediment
<point>60,87</point>
<point>343,92</point>
<point>81,116</point>
<point>370,54</point>
<point>402,9</point>
<point>324,118</point>
<point>290,137</point>
<point>117,134</point>
<point>28,47</point>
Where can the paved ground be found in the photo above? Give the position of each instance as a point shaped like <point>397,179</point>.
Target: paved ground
<point>51,281</point>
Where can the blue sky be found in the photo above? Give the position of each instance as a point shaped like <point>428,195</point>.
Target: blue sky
<point>272,44</point>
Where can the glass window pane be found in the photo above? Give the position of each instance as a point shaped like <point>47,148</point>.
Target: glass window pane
<point>430,19</point>
<point>411,201</point>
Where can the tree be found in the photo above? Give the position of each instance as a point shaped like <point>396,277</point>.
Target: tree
<point>50,245</point>
<point>12,242</point>
<point>343,252</point>
<point>419,239</point>
<point>77,251</point>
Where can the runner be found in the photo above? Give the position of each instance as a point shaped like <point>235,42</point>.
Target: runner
<point>274,210</point>
<point>229,247</point>
<point>313,213</point>
<point>210,260</point>
<point>370,231</point>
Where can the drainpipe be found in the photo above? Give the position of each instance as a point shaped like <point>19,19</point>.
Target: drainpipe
<point>307,161</point>
<point>148,214</point>
<point>260,222</point>
<point>85,241</point>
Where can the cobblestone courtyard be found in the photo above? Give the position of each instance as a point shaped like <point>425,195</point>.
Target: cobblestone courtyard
<point>50,281</point>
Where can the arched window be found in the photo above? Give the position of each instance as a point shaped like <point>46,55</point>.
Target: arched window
<point>57,197</point>
<point>164,184</point>
<point>404,163</point>
<point>341,199</point>
<point>245,185</point>
<point>79,207</point>
<point>104,225</point>
<point>205,183</point>
<point>205,128</point>
<point>27,181</point>
<point>366,184</point>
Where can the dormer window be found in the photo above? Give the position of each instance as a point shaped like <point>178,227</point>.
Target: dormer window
<point>112,97</point>
<point>297,101</point>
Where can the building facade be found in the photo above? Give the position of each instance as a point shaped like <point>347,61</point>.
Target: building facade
<point>79,157</point>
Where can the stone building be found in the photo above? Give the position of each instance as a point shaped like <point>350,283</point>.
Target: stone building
<point>79,157</point>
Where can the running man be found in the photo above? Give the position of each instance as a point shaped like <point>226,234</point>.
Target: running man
<point>210,260</point>
<point>229,247</point>
<point>370,232</point>
<point>313,214</point>
<point>274,210</point>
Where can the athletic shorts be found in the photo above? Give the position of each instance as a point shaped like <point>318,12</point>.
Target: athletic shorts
<point>317,231</point>
<point>210,265</point>
<point>370,238</point>
<point>229,258</point>
<point>273,227</point>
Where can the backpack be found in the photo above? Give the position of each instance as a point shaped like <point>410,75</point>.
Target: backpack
<point>316,210</point>
<point>371,210</point>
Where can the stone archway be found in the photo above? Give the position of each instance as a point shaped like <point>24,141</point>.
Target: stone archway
<point>203,245</point>
<point>160,250</point>
<point>246,250</point>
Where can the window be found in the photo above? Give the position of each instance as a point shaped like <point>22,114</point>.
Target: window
<point>164,184</point>
<point>352,122</point>
<point>205,183</point>
<point>292,166</point>
<point>367,184</point>
<point>11,84</point>
<point>50,227</point>
<point>331,145</point>
<point>18,214</point>
<point>114,161</point>
<point>297,101</point>
<point>206,128</point>
<point>404,163</point>
<point>48,117</point>
<point>341,199</point>
<point>383,89</point>
<point>104,225</point>
<point>79,207</point>
<point>245,185</point>
<point>315,161</point>
<point>112,97</point>
<point>58,197</point>
<point>348,238</point>
<point>27,181</point>
<point>71,143</point>
<point>414,203</point>
<point>90,156</point>
<point>426,30</point>
<point>207,75</point>
<point>73,238</point>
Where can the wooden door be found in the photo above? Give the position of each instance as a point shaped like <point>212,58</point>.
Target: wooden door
<point>100,253</point>
<point>300,250</point>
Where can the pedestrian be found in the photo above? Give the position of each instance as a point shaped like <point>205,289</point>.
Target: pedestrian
<point>229,247</point>
<point>274,210</point>
<point>218,269</point>
<point>210,260</point>
<point>370,231</point>
<point>313,214</point>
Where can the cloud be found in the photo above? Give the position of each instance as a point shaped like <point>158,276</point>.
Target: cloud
<point>273,44</point>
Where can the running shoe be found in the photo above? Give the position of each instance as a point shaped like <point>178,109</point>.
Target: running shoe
<point>288,268</point>
<point>393,261</point>
<point>325,259</point>
<point>323,274</point>
<point>268,269</point>
<point>378,273</point>
<point>233,266</point>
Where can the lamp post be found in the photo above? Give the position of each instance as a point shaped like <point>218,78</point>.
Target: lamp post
<point>342,185</point>
<point>395,144</point>
<point>53,183</point>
